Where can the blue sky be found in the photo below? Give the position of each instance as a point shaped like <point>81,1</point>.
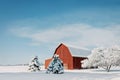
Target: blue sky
<point>37,27</point>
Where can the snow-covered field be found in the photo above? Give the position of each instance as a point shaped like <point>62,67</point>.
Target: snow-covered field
<point>21,73</point>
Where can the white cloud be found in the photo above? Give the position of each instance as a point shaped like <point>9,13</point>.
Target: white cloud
<point>75,34</point>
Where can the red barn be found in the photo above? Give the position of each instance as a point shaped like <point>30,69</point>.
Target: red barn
<point>70,56</point>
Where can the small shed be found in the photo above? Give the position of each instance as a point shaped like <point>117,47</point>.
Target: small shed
<point>70,56</point>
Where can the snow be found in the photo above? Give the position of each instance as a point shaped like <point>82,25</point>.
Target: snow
<point>13,69</point>
<point>79,52</point>
<point>21,73</point>
<point>4,69</point>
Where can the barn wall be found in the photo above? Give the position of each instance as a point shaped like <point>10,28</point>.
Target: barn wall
<point>77,62</point>
<point>65,56</point>
<point>47,62</point>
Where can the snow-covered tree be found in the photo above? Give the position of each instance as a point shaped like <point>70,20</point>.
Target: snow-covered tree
<point>103,57</point>
<point>55,66</point>
<point>34,64</point>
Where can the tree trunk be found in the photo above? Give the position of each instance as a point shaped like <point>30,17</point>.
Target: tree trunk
<point>108,68</point>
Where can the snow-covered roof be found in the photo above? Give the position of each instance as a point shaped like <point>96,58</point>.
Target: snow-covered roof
<point>78,52</point>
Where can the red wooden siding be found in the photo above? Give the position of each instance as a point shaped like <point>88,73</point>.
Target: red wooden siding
<point>47,62</point>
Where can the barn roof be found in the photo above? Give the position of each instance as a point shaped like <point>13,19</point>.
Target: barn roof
<point>78,52</point>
